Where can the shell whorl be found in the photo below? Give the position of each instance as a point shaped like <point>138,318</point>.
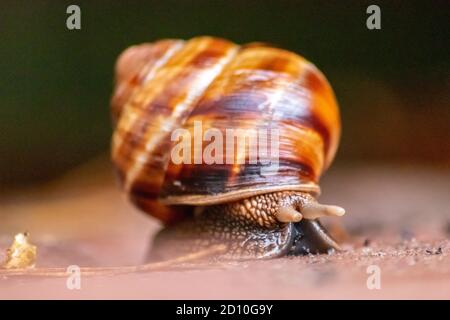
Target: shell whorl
<point>172,84</point>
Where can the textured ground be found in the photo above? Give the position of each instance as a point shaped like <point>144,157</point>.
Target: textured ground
<point>398,218</point>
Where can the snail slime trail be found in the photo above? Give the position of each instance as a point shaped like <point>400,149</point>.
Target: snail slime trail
<point>225,144</point>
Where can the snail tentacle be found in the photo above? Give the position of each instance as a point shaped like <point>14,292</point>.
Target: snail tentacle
<point>316,210</point>
<point>289,214</point>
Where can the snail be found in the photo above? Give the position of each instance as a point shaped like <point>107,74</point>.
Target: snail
<point>258,210</point>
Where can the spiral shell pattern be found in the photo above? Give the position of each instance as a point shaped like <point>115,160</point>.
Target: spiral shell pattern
<point>173,84</point>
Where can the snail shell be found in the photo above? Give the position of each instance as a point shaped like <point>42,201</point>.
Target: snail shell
<point>171,84</point>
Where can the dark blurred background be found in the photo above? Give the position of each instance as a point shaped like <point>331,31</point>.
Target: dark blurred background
<point>393,84</point>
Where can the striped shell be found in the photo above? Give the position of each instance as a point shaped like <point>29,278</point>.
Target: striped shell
<point>171,84</point>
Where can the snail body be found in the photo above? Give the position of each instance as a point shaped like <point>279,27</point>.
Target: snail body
<point>258,210</point>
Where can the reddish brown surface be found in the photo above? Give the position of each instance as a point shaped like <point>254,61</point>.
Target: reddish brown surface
<point>401,213</point>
